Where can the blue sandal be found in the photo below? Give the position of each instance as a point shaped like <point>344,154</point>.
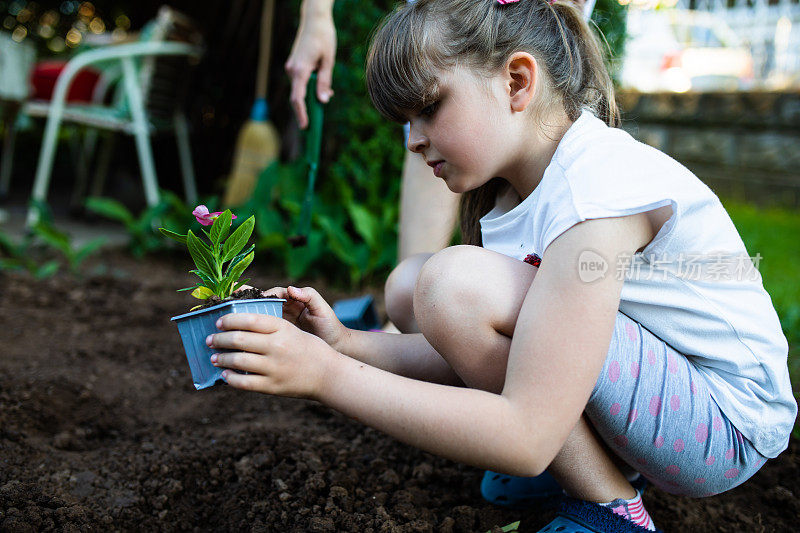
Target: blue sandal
<point>519,492</point>
<point>578,516</point>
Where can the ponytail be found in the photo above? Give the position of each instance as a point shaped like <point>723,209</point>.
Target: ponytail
<point>584,82</point>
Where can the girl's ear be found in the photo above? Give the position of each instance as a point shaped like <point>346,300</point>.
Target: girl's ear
<point>521,71</point>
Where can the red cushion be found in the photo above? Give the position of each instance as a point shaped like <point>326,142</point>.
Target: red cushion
<point>46,73</point>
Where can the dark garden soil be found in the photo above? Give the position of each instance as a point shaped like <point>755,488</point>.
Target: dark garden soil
<point>102,430</point>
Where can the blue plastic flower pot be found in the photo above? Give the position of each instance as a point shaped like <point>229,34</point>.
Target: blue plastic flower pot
<point>195,326</point>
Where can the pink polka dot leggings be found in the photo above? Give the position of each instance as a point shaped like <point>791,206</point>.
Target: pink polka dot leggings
<point>652,408</point>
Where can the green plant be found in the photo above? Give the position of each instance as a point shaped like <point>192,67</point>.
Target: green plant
<point>353,235</point>
<point>143,239</point>
<point>16,256</point>
<point>62,242</point>
<point>217,279</point>
<point>170,212</point>
<point>608,16</point>
<point>354,225</point>
<point>45,232</point>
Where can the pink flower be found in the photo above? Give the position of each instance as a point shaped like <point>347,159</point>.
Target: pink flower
<point>204,217</point>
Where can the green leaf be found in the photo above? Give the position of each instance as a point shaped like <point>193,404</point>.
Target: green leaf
<point>227,287</point>
<point>172,235</point>
<point>270,221</point>
<point>510,528</point>
<point>86,250</point>
<point>238,239</point>
<point>272,241</point>
<point>367,225</point>
<point>111,209</point>
<point>8,245</point>
<point>46,270</point>
<point>238,269</point>
<point>300,259</point>
<point>53,237</point>
<point>221,227</point>
<point>45,215</point>
<point>205,278</point>
<point>201,255</point>
<point>202,293</point>
<point>338,241</point>
<point>238,258</point>
<point>149,217</point>
<point>239,284</point>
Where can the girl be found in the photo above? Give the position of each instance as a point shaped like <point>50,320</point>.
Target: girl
<point>604,318</point>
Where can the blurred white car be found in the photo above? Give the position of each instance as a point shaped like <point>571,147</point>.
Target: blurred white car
<point>680,50</point>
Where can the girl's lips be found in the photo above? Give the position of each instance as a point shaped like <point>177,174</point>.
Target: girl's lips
<point>437,168</point>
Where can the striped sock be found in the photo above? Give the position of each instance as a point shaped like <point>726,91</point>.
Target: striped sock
<point>633,510</point>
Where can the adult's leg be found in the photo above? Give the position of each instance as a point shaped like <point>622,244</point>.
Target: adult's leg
<point>468,314</point>
<point>428,211</point>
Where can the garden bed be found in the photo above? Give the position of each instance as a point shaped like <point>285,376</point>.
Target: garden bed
<point>101,429</point>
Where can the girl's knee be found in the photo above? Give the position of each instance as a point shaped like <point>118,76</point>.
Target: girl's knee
<point>399,292</point>
<point>443,283</point>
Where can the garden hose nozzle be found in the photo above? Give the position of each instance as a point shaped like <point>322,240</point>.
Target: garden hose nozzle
<point>311,157</point>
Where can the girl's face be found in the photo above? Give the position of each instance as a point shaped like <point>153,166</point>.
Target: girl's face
<point>465,134</point>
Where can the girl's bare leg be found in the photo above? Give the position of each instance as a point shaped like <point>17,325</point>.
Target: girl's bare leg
<point>466,303</point>
<point>399,292</point>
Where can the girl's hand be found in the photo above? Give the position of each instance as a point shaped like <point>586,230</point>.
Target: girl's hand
<point>310,312</point>
<point>280,359</point>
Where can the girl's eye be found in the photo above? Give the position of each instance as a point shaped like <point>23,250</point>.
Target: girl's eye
<point>429,110</point>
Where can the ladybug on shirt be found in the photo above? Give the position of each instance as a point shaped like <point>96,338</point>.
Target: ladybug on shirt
<point>533,259</point>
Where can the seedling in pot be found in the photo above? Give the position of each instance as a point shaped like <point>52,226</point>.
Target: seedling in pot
<point>220,263</point>
<point>217,280</point>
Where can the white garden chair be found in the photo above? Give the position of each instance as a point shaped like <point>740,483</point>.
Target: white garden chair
<point>151,75</point>
<point>16,63</point>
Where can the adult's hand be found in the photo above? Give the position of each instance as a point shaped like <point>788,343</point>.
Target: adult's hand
<point>314,49</point>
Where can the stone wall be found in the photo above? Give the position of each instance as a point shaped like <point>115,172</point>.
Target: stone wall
<point>743,145</point>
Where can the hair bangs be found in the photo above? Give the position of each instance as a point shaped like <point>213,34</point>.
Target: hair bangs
<point>402,65</point>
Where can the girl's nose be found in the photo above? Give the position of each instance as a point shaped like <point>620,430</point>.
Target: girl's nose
<point>416,141</point>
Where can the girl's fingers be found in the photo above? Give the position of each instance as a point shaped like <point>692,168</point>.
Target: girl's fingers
<point>311,298</point>
<point>250,322</point>
<point>244,341</point>
<point>291,307</point>
<point>279,292</point>
<point>244,361</point>
<point>246,381</point>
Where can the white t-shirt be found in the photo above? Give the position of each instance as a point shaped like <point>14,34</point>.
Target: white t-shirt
<point>716,312</point>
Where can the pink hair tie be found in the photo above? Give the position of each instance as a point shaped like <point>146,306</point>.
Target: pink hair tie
<point>504,2</point>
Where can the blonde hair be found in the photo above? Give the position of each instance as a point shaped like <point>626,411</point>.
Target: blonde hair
<point>419,39</point>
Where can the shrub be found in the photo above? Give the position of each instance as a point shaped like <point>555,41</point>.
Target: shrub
<point>354,229</point>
